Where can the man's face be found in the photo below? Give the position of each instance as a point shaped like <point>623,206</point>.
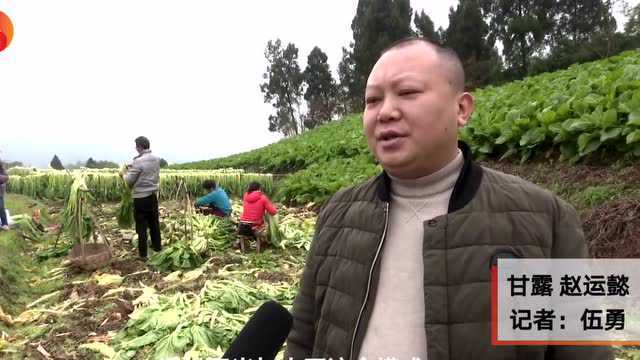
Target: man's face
<point>412,112</point>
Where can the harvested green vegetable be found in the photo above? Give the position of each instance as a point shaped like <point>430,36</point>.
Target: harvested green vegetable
<point>125,211</point>
<point>176,257</point>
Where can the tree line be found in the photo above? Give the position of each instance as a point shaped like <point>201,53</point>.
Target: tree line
<point>497,40</point>
<point>90,164</point>
<point>56,164</point>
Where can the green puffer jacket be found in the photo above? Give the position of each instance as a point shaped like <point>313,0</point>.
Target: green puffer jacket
<point>490,213</point>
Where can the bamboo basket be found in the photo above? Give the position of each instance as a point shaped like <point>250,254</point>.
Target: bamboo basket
<point>90,257</point>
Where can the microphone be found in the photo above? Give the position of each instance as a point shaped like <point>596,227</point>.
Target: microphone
<point>263,335</point>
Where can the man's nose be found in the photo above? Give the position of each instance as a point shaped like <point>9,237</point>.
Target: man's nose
<point>389,110</point>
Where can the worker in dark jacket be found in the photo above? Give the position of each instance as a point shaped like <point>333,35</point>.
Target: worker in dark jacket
<point>400,265</point>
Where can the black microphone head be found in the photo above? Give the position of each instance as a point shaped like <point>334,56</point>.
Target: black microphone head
<point>263,335</point>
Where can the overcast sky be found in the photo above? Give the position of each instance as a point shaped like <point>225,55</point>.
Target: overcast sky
<point>83,78</point>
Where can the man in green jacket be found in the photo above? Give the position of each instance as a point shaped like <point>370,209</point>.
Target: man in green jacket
<point>400,265</point>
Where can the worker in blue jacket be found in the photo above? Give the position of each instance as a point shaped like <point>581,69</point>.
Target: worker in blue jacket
<point>216,202</point>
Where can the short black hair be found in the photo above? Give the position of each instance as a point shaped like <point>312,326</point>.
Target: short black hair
<point>448,56</point>
<point>143,143</point>
<point>253,186</point>
<point>209,184</point>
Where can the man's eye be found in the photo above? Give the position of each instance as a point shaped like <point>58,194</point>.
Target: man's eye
<point>408,92</point>
<point>372,100</point>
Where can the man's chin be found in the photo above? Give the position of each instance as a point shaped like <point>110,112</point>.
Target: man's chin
<point>396,166</point>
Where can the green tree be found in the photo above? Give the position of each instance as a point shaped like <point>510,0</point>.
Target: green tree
<point>77,165</point>
<point>424,27</point>
<point>468,35</point>
<point>522,26</point>
<point>283,87</point>
<point>376,25</point>
<point>576,21</point>
<point>163,163</point>
<point>632,27</point>
<point>322,93</point>
<point>91,164</point>
<point>349,103</point>
<point>585,30</point>
<point>56,163</point>
<point>106,164</point>
<point>11,164</point>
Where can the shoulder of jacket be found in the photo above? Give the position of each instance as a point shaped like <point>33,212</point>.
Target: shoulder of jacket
<point>494,177</point>
<point>521,188</point>
<point>362,192</point>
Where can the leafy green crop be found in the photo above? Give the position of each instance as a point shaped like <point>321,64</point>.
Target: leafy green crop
<point>321,180</point>
<point>580,110</point>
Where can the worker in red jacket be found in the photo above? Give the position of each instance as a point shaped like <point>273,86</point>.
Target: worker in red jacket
<point>254,206</point>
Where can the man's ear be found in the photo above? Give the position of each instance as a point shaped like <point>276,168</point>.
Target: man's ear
<point>466,105</point>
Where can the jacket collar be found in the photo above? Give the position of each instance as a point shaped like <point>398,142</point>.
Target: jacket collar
<point>464,189</point>
<point>144,152</point>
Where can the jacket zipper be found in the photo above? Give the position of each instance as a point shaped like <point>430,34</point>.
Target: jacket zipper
<point>366,296</point>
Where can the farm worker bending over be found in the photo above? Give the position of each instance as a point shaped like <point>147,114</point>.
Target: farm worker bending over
<point>4,178</point>
<point>254,206</point>
<point>216,202</point>
<point>143,176</point>
<point>400,264</point>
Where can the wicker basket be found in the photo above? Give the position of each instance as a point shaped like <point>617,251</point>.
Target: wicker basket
<point>96,255</point>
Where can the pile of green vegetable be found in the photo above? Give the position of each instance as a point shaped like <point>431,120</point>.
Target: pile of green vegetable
<point>191,237</point>
<point>195,325</point>
<point>125,210</point>
<point>294,230</point>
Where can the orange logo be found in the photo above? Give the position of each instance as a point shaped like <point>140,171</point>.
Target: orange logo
<point>6,31</point>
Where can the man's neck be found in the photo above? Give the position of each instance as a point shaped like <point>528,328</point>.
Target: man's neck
<point>439,181</point>
<point>420,172</point>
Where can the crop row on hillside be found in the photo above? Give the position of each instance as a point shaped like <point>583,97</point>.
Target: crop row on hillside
<point>588,107</point>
